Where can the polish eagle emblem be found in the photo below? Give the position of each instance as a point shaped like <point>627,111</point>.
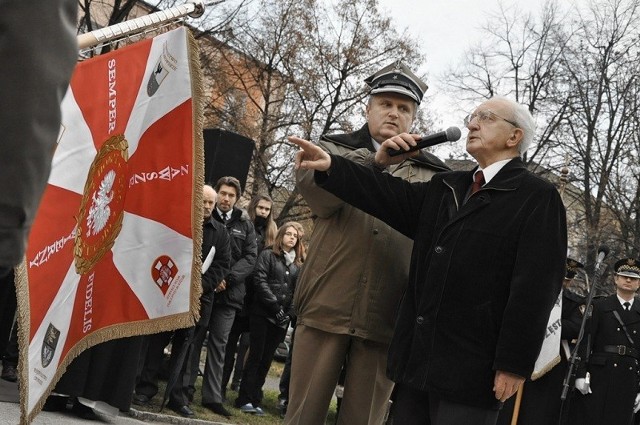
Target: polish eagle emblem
<point>102,207</point>
<point>99,212</point>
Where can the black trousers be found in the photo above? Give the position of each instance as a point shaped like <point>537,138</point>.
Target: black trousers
<point>180,394</point>
<point>8,305</point>
<point>415,407</point>
<point>151,362</point>
<point>265,338</point>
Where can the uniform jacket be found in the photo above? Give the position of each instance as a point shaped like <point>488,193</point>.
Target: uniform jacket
<point>243,257</point>
<point>357,266</point>
<point>484,275</point>
<point>614,378</point>
<point>273,285</point>
<point>572,304</point>
<point>214,236</point>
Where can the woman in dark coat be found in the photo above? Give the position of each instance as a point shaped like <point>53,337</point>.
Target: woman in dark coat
<point>260,211</point>
<point>274,281</point>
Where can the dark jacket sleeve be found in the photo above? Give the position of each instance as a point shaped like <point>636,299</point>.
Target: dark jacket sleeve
<point>221,261</point>
<point>586,345</point>
<point>388,198</point>
<point>571,317</point>
<point>245,264</point>
<point>265,269</point>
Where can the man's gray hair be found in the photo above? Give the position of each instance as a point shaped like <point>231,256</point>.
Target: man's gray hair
<point>524,120</point>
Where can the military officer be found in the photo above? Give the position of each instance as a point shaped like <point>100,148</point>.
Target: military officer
<point>608,376</point>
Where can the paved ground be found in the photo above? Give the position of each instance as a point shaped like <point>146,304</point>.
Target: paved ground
<point>10,412</point>
<point>10,415</point>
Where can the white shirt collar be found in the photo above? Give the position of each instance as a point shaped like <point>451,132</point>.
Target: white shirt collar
<point>622,301</point>
<point>493,169</point>
<point>222,214</point>
<point>376,145</point>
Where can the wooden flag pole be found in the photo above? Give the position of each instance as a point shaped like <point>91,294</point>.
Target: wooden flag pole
<point>194,9</point>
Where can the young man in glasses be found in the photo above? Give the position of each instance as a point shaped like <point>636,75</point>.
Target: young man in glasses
<point>486,269</point>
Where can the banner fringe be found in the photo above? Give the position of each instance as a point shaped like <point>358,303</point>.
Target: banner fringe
<point>545,369</point>
<point>23,323</point>
<point>197,101</point>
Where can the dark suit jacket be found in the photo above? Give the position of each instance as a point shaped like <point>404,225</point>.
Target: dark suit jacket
<point>484,275</point>
<point>214,235</point>
<point>243,244</point>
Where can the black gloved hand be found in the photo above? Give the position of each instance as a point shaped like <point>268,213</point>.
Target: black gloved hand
<point>281,317</point>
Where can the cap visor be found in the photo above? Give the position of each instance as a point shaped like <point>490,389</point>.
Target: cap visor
<point>629,274</point>
<point>395,89</point>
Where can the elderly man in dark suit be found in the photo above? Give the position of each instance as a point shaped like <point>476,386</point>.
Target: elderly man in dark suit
<point>486,269</point>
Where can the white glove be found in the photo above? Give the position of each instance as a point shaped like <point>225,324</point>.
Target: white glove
<point>636,404</point>
<point>583,386</point>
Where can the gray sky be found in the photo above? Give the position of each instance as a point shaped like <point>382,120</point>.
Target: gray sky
<point>445,29</point>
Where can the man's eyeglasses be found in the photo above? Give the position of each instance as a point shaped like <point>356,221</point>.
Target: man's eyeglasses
<point>485,116</point>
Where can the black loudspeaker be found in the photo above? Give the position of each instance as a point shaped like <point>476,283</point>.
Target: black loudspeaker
<point>226,154</point>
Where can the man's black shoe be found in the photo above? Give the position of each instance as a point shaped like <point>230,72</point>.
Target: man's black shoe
<point>9,373</point>
<point>181,410</point>
<point>140,399</point>
<point>55,403</point>
<point>282,406</point>
<point>218,409</point>
<point>84,412</point>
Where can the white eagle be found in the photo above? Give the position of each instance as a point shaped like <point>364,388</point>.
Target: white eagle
<point>99,211</point>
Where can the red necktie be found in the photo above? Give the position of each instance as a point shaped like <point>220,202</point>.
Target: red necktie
<point>478,181</point>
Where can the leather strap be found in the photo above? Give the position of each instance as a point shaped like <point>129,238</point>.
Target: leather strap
<point>621,350</point>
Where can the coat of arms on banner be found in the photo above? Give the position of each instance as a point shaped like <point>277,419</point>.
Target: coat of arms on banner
<point>49,345</point>
<point>111,251</point>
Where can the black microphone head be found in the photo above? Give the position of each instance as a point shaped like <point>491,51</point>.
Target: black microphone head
<point>603,249</point>
<point>453,134</point>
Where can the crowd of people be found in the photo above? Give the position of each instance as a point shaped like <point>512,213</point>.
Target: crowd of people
<point>425,292</point>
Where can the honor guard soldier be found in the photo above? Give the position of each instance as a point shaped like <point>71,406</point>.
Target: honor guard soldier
<point>608,376</point>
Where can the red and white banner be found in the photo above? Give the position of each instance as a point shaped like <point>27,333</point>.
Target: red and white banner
<point>111,252</point>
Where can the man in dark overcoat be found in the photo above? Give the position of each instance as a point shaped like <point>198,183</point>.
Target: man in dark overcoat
<point>610,356</point>
<point>216,263</point>
<point>486,269</point>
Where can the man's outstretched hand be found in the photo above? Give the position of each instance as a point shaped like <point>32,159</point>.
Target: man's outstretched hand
<point>310,156</point>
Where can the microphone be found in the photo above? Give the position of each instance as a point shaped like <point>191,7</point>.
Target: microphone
<point>603,251</point>
<point>451,134</point>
